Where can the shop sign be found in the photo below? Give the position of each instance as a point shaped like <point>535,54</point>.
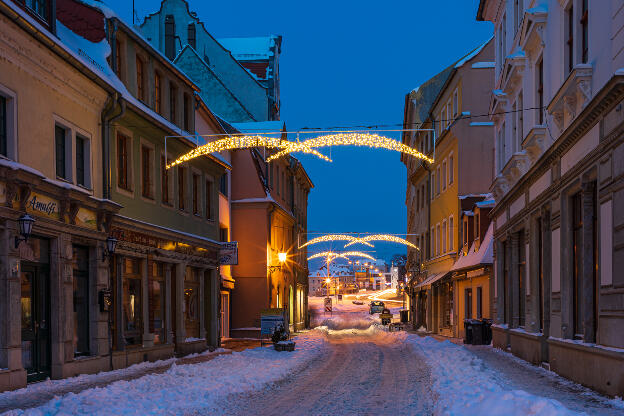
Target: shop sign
<point>42,205</point>
<point>86,218</point>
<point>475,273</point>
<point>269,319</point>
<point>228,253</point>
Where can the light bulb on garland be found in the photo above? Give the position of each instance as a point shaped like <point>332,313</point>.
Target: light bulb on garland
<point>382,237</point>
<point>331,254</point>
<point>333,237</point>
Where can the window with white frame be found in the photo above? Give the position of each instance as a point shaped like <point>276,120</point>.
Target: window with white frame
<point>451,232</point>
<point>8,123</point>
<point>432,244</point>
<point>432,185</point>
<point>444,175</point>
<point>444,234</point>
<point>514,128</point>
<point>451,169</point>
<point>455,103</point>
<point>72,154</point>
<point>437,183</point>
<point>438,252</point>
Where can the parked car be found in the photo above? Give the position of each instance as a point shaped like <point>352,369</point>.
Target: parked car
<point>376,306</point>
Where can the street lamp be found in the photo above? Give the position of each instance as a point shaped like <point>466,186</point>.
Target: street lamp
<point>25,223</point>
<point>282,259</point>
<point>111,245</point>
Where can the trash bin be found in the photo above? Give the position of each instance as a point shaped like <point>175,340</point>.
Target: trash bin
<point>404,316</point>
<point>487,331</point>
<point>467,331</point>
<point>477,332</point>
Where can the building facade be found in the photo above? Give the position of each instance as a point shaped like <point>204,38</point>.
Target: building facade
<point>558,186</point>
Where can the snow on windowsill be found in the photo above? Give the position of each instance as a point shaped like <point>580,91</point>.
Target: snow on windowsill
<point>524,331</point>
<point>588,344</point>
<point>500,326</point>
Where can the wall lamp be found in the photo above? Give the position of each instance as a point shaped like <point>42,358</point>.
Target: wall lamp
<point>282,259</point>
<point>109,251</point>
<point>25,223</point>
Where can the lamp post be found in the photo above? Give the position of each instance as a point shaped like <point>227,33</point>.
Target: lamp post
<point>109,251</point>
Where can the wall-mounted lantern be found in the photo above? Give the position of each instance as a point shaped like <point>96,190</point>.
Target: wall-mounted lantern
<point>282,259</point>
<point>25,223</point>
<point>111,245</point>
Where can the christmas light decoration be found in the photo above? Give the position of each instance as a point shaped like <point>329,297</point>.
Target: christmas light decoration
<point>349,139</point>
<point>333,237</point>
<point>381,237</point>
<point>307,146</point>
<point>331,254</point>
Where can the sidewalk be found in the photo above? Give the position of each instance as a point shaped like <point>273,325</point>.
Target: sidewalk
<point>37,394</point>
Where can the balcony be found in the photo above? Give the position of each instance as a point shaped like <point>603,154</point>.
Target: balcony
<point>572,97</point>
<point>514,169</point>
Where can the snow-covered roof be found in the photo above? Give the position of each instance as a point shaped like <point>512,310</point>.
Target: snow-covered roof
<point>484,255</point>
<point>483,64</point>
<point>481,123</point>
<point>488,203</point>
<point>250,48</point>
<point>472,54</point>
<point>260,126</point>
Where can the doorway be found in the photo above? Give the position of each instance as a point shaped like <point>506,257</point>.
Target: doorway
<point>225,315</point>
<point>35,295</point>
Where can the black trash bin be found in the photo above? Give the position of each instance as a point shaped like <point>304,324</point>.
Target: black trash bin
<point>477,332</point>
<point>467,331</point>
<point>487,331</point>
<point>404,316</point>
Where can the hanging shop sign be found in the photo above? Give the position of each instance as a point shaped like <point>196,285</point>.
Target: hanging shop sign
<point>228,253</point>
<point>269,319</point>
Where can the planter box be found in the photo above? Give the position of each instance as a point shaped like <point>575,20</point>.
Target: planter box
<point>284,346</point>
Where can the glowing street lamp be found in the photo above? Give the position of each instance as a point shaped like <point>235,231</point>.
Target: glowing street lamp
<point>282,259</point>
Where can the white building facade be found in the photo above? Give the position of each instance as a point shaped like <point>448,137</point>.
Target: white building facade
<point>559,185</point>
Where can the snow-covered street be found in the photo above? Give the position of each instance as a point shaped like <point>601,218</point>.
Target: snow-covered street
<point>349,364</point>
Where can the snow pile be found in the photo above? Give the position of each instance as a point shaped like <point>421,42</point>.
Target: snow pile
<point>465,386</point>
<point>188,389</point>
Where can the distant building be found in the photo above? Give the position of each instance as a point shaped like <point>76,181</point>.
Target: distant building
<point>238,91</point>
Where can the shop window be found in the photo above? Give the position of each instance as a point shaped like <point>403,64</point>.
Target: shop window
<point>209,209</point>
<point>191,302</point>
<point>147,169</point>
<point>131,302</point>
<point>181,188</point>
<point>157,92</point>
<point>468,303</point>
<point>223,184</point>
<point>123,162</point>
<point>196,194</point>
<point>165,182</point>
<point>80,259</point>
<point>479,302</point>
<point>156,293</point>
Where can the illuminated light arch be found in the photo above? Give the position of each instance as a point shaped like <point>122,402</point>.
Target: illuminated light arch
<point>350,139</point>
<point>382,237</point>
<point>331,254</point>
<point>333,237</point>
<point>307,146</point>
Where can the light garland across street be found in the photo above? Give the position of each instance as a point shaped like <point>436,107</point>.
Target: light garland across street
<point>309,146</point>
<point>381,237</point>
<point>333,237</point>
<point>329,255</point>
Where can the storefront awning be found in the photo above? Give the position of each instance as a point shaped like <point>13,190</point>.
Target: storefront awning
<point>432,279</point>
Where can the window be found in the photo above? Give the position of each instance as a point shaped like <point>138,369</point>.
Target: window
<point>170,46</point>
<point>521,279</point>
<point>181,188</point>
<point>80,275</point>
<point>438,181</point>
<point>147,166</point>
<point>223,234</point>
<point>132,305</point>
<point>191,302</point>
<point>157,92</point>
<point>123,162</point>
<point>432,185</point>
<point>479,302</point>
<point>451,233</point>
<point>520,120</point>
<point>4,136</point>
<point>223,184</point>
<point>449,113</point>
<point>173,91</point>
<point>83,161</point>
<point>422,200</point>
<point>468,303</point>
<point>156,302</point>
<point>577,263</point>
<point>444,235</point>
<point>432,244</point>
<point>540,91</point>
<point>540,273</point>
<point>196,195</point>
<point>514,128</point>
<point>584,31</point>
<point>455,103</point>
<point>438,252</point>
<point>465,232</point>
<point>444,175</point>
<point>165,181</point>
<point>118,59</point>
<point>187,112</point>
<point>61,137</point>
<point>209,210</point>
<point>451,168</point>
<point>191,35</point>
<point>140,79</point>
<point>570,38</point>
<point>41,8</point>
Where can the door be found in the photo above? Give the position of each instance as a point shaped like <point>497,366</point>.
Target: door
<point>35,293</point>
<point>225,315</point>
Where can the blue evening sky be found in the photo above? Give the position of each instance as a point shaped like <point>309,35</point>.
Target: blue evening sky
<point>349,63</point>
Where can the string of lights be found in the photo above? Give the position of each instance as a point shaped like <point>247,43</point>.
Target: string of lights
<point>332,237</point>
<point>331,254</point>
<point>382,237</point>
